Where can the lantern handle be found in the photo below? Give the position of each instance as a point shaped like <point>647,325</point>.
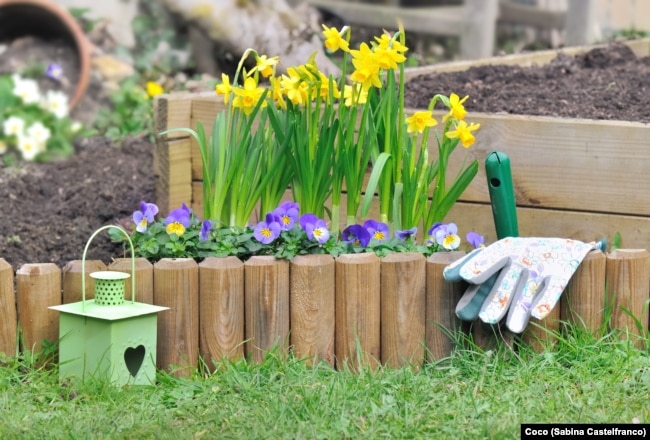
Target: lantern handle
<point>83,263</point>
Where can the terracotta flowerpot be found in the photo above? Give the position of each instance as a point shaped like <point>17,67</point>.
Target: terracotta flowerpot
<point>46,19</point>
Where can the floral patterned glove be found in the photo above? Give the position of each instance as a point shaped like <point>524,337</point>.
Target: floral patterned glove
<point>529,273</point>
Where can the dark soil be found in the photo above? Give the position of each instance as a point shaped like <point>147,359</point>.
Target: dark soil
<point>50,210</point>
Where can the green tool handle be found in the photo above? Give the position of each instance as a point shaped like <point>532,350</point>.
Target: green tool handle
<point>502,195</point>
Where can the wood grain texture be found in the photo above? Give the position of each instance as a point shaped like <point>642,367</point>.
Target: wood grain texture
<point>266,303</point>
<point>8,314</point>
<point>72,280</point>
<point>358,310</point>
<point>403,303</point>
<point>441,299</point>
<point>221,305</point>
<point>312,296</point>
<point>143,278</point>
<point>176,285</point>
<point>628,277</point>
<point>38,286</point>
<point>172,170</point>
<point>583,301</point>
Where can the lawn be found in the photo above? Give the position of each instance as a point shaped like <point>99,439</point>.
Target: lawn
<point>471,394</point>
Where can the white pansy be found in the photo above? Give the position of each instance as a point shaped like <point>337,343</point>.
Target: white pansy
<point>57,103</point>
<point>13,126</point>
<point>3,147</point>
<point>27,90</point>
<point>28,147</point>
<point>39,132</point>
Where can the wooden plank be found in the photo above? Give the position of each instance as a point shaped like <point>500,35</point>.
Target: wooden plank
<point>529,15</point>
<point>573,164</point>
<point>640,47</point>
<point>266,303</point>
<point>173,173</point>
<point>8,315</point>
<point>143,278</point>
<point>443,20</point>
<point>38,286</point>
<point>478,28</point>
<point>176,285</point>
<point>72,280</point>
<point>172,111</point>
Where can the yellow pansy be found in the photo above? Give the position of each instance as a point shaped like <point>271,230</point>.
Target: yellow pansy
<point>419,121</point>
<point>464,133</point>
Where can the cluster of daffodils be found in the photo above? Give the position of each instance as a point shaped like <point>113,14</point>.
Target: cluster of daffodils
<point>325,132</point>
<point>33,123</point>
<point>282,233</point>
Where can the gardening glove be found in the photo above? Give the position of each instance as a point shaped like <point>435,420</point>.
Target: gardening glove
<point>529,273</point>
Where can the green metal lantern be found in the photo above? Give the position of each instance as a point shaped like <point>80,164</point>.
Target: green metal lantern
<point>107,337</point>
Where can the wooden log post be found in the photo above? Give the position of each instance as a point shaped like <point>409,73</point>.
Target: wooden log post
<point>312,293</point>
<point>628,283</point>
<point>358,311</point>
<point>221,309</point>
<point>176,285</point>
<point>72,280</point>
<point>8,314</point>
<point>266,302</point>
<point>143,278</point>
<point>583,301</point>
<point>38,286</point>
<point>403,303</point>
<point>541,334</point>
<point>441,300</point>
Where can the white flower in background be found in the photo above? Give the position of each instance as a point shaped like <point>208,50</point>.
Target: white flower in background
<point>26,89</point>
<point>28,147</point>
<point>39,132</point>
<point>13,126</point>
<point>3,147</point>
<point>57,103</point>
<point>75,126</point>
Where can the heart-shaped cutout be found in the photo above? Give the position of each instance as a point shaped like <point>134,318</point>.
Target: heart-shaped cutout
<point>133,358</point>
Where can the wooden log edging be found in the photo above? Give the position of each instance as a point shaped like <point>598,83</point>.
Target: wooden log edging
<point>352,310</point>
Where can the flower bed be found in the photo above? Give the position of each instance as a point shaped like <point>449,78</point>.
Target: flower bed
<point>315,305</point>
<point>574,178</point>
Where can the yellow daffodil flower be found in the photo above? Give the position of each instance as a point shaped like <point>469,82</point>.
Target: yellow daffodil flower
<point>224,88</point>
<point>355,95</point>
<point>456,108</point>
<point>276,93</point>
<point>154,89</point>
<point>464,133</point>
<point>334,40</point>
<point>248,96</point>
<point>294,87</point>
<point>419,121</point>
<point>367,67</point>
<point>387,42</point>
<point>265,65</point>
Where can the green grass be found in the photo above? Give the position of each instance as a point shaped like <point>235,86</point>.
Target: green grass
<point>472,394</point>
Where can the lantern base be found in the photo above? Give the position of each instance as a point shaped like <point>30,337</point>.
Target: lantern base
<point>109,343</point>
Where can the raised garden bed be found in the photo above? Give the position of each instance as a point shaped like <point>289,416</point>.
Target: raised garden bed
<point>577,178</point>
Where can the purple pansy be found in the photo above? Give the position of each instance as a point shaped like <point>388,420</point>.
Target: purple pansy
<point>269,229</point>
<point>378,231</point>
<point>54,71</point>
<point>356,234</point>
<point>178,220</point>
<point>145,216</point>
<point>406,234</point>
<point>288,213</point>
<point>432,230</point>
<point>308,218</point>
<point>447,236</point>
<point>317,231</point>
<point>206,227</point>
<point>475,239</point>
